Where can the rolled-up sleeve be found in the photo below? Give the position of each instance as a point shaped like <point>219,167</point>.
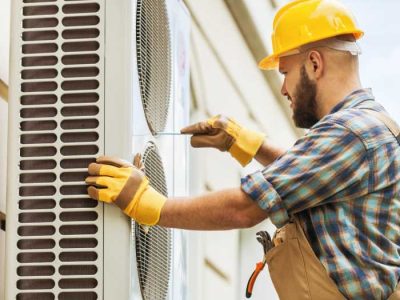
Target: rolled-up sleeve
<point>261,191</point>
<point>315,171</point>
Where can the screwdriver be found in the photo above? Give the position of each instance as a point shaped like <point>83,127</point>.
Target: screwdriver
<point>170,133</point>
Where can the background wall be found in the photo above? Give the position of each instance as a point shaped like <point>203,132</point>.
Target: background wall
<point>228,39</point>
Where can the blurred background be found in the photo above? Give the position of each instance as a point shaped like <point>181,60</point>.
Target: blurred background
<point>228,38</point>
<point>380,63</point>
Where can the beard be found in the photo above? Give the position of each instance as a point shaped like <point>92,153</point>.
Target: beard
<point>305,110</point>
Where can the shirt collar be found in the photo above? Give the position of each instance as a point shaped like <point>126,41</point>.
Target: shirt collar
<point>353,99</point>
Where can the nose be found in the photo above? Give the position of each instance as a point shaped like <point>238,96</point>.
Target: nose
<point>283,89</point>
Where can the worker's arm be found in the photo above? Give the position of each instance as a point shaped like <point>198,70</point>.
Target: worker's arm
<point>116,181</point>
<point>226,209</point>
<point>268,153</point>
<point>225,134</point>
<point>329,164</point>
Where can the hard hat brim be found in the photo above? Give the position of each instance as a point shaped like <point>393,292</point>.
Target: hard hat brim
<point>272,61</point>
<point>269,63</point>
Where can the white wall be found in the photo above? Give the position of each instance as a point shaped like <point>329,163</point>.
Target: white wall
<point>225,79</point>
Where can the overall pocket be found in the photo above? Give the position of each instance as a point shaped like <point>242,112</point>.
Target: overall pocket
<point>287,269</point>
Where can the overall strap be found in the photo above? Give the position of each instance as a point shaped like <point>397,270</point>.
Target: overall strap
<point>388,121</point>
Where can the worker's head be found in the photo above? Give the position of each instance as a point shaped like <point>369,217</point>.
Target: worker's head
<point>315,68</point>
<point>314,43</point>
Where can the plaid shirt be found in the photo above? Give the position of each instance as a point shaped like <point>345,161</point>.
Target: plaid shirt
<point>342,180</point>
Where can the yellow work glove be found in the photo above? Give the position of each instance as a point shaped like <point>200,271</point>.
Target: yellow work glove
<point>114,180</point>
<point>225,134</point>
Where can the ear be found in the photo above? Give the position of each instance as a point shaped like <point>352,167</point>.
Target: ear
<point>315,64</point>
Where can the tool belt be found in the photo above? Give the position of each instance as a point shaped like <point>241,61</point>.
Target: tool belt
<point>296,272</point>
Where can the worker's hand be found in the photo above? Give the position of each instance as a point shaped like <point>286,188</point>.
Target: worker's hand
<point>225,134</point>
<point>114,180</point>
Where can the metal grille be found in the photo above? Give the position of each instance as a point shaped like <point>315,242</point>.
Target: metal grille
<point>154,61</point>
<point>153,249</point>
<point>59,228</point>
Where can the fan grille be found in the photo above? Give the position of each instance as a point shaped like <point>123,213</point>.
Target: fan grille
<point>154,61</point>
<point>153,249</point>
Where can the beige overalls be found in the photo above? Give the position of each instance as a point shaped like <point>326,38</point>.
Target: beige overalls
<point>296,271</point>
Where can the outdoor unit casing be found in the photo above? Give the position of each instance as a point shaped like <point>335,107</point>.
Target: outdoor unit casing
<point>89,78</point>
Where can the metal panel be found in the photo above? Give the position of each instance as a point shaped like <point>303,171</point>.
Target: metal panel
<point>65,110</point>
<point>121,87</point>
<point>180,27</point>
<point>55,232</point>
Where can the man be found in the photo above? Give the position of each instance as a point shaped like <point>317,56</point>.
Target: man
<point>334,196</point>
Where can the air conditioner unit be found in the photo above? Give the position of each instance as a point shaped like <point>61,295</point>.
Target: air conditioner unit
<point>93,77</point>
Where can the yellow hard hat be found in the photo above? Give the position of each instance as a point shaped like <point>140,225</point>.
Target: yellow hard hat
<point>305,21</point>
